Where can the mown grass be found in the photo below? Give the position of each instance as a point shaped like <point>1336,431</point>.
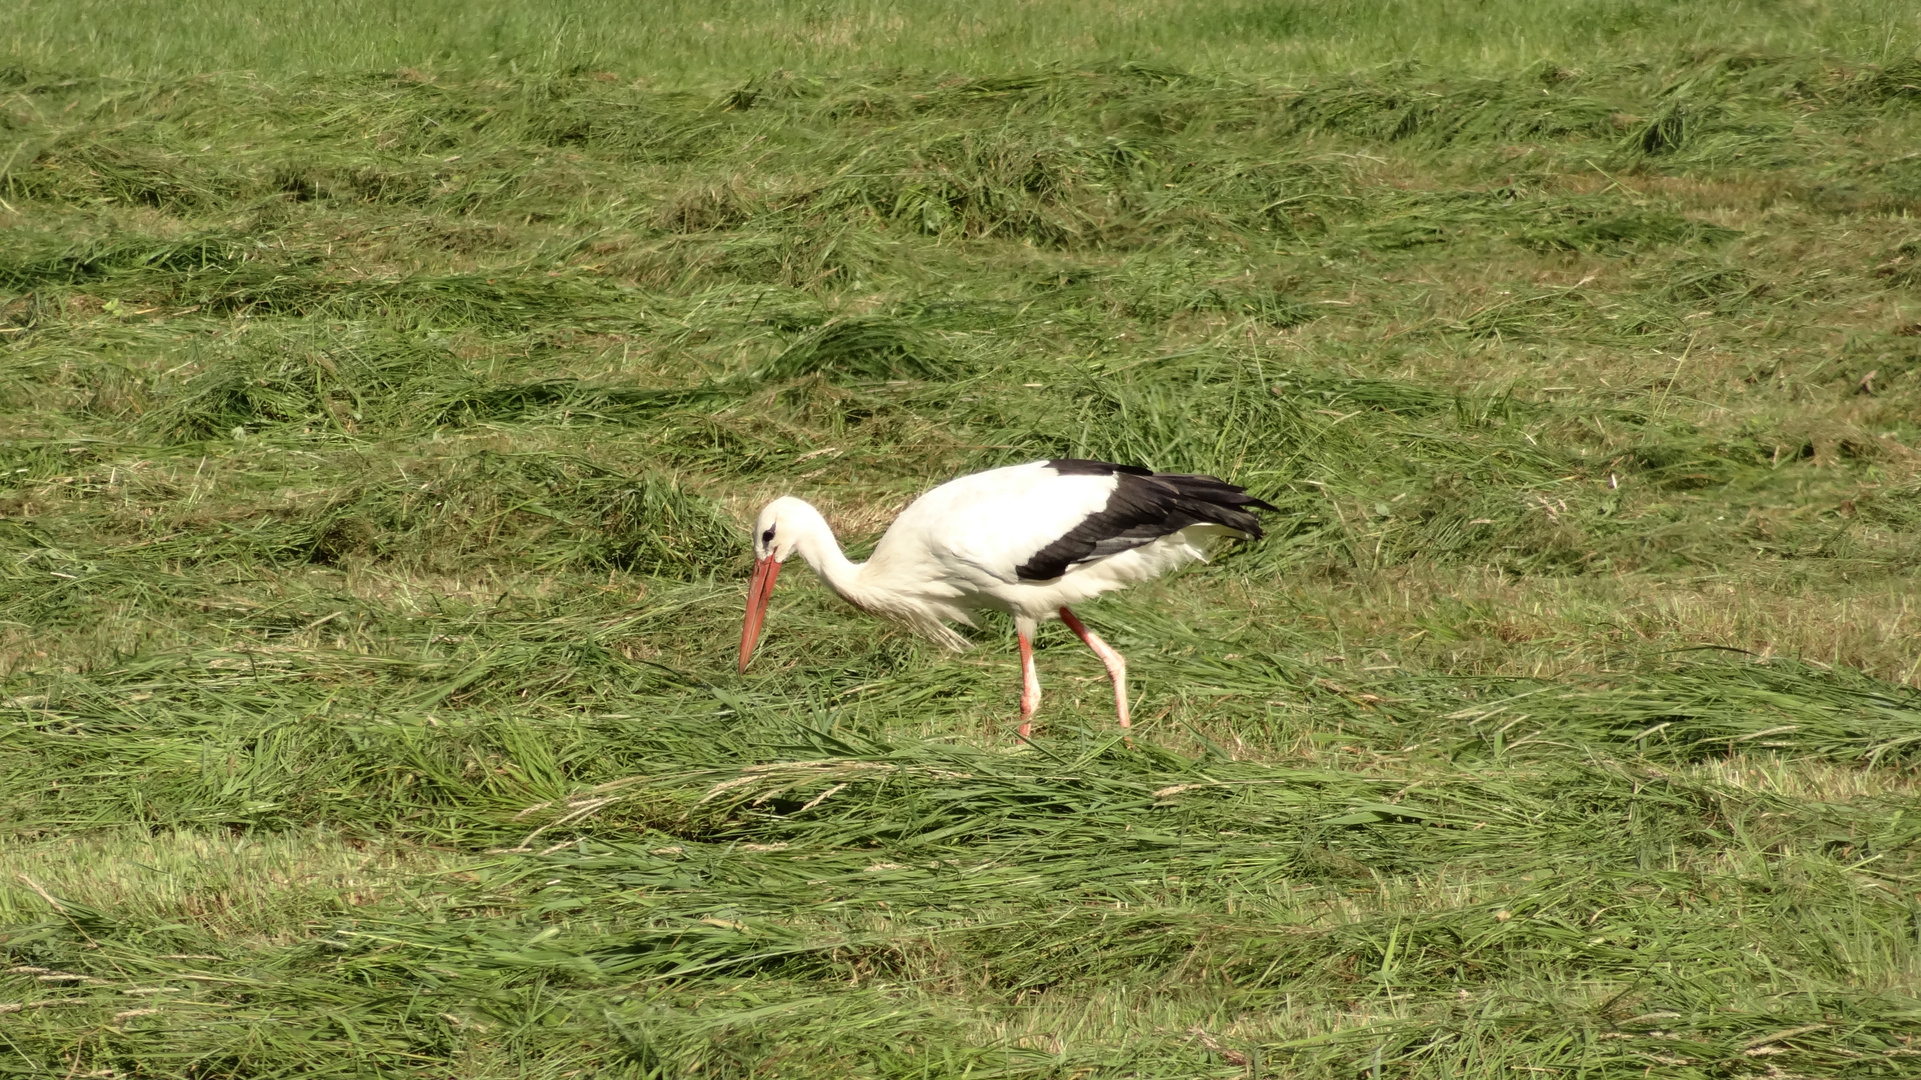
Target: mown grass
<point>377,443</point>
<point>677,42</point>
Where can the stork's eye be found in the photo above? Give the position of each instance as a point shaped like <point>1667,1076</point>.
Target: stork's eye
<point>768,536</point>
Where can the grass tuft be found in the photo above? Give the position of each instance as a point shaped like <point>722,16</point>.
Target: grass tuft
<point>863,348</point>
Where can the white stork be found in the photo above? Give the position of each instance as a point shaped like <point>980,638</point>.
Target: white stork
<point>1027,540</point>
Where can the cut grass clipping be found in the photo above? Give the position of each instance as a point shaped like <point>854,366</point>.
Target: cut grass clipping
<point>380,426</point>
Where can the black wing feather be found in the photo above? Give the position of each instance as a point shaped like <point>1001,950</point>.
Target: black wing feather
<point>1144,507</point>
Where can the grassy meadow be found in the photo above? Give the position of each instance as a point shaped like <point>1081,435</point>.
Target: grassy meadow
<point>385,392</point>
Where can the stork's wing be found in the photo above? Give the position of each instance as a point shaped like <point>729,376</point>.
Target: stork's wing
<point>1033,522</point>
<point>1142,508</point>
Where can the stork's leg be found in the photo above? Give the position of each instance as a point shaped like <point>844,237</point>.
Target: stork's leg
<point>1116,663</point>
<point>1030,679</point>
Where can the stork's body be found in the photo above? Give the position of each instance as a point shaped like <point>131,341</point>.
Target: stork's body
<point>1027,540</point>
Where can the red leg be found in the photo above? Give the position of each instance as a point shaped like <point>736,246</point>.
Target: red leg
<point>1116,663</point>
<point>1030,683</point>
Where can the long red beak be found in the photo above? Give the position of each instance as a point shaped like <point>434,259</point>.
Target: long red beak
<point>758,592</point>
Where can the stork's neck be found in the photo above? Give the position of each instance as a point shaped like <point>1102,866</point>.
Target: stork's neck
<point>816,544</point>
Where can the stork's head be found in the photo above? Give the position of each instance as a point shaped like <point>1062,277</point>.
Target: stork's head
<point>776,534</point>
<point>780,526</point>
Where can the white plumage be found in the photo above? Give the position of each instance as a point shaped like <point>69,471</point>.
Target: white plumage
<point>1028,540</point>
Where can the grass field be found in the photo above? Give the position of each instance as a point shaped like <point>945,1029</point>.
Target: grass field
<point>384,391</point>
